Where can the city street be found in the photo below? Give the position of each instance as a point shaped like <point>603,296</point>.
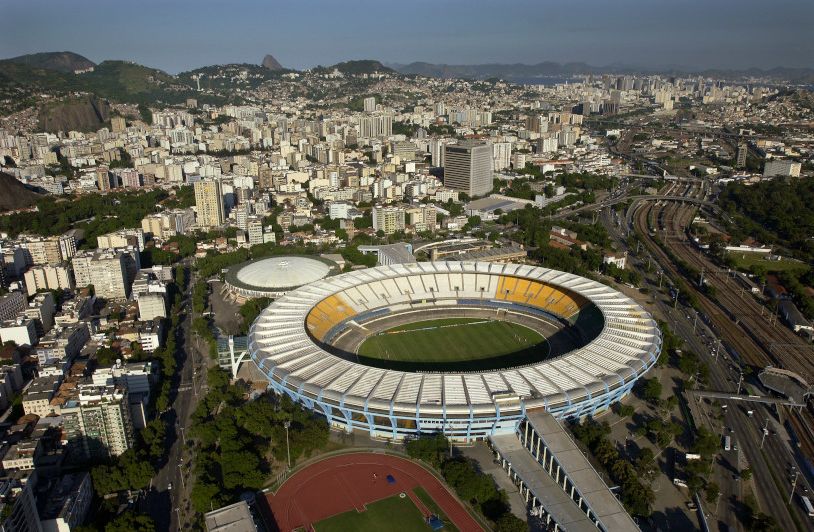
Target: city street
<point>167,501</point>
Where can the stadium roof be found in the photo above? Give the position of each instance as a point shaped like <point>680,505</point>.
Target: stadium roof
<point>277,274</point>
<point>283,349</point>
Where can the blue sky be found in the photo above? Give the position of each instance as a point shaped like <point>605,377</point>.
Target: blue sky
<point>178,35</point>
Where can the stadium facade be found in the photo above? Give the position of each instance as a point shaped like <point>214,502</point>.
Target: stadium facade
<point>292,343</point>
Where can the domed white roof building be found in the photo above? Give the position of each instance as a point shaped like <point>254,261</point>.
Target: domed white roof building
<point>275,276</point>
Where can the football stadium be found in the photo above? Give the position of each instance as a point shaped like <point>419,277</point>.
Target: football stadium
<point>466,348</point>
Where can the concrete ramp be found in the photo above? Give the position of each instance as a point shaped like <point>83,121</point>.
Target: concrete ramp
<point>556,479</point>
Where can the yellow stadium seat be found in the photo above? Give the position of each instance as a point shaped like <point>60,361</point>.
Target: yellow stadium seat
<point>327,314</point>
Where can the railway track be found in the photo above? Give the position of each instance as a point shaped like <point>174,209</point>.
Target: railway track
<point>794,354</point>
<point>738,318</point>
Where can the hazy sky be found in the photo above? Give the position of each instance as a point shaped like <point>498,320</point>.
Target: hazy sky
<point>178,35</point>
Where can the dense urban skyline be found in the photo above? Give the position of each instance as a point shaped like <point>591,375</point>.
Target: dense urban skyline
<point>181,35</point>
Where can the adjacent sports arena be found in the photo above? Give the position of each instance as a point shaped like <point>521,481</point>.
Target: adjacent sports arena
<point>460,347</point>
<point>274,276</point>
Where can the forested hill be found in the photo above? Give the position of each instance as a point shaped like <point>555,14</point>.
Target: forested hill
<point>774,212</point>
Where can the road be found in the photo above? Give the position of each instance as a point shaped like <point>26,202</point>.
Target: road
<point>167,501</point>
<point>768,464</point>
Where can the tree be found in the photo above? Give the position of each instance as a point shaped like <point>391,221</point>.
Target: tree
<point>712,490</point>
<point>746,474</point>
<point>131,522</point>
<point>650,390</point>
<point>644,461</point>
<point>508,522</point>
<point>432,449</point>
<point>706,443</point>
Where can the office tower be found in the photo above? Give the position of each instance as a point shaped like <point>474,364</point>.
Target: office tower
<point>209,203</point>
<point>370,104</point>
<point>468,167</point>
<point>743,151</point>
<point>388,219</point>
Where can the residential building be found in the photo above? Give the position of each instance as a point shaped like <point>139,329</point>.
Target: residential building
<point>47,277</point>
<point>100,420</point>
<point>106,270</point>
<point>121,239</point>
<point>423,218</point>
<point>41,309</point>
<point>781,167</point>
<point>209,203</point>
<point>388,219</point>
<point>21,331</point>
<point>151,306</point>
<point>370,104</point>
<point>67,503</point>
<point>63,343</point>
<point>12,304</point>
<point>18,507</point>
<point>38,395</point>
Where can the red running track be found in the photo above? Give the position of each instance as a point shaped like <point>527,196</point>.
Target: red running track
<point>341,483</point>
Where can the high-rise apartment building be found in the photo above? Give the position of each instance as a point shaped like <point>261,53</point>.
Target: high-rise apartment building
<point>375,126</point>
<point>52,250</point>
<point>209,203</point>
<point>47,278</point>
<point>468,167</point>
<point>106,270</point>
<point>501,155</point>
<point>781,167</point>
<point>99,422</point>
<point>388,219</point>
<point>370,104</point>
<point>423,218</point>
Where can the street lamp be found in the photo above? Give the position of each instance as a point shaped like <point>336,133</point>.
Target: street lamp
<point>181,474</point>
<point>793,486</point>
<point>765,431</point>
<point>287,424</point>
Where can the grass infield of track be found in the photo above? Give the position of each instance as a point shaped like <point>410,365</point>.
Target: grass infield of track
<point>455,343</point>
<point>392,513</point>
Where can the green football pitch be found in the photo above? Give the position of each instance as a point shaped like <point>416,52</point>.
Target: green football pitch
<point>393,513</point>
<point>454,344</point>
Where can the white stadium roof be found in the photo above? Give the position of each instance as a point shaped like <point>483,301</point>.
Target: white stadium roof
<point>283,349</point>
<point>282,272</point>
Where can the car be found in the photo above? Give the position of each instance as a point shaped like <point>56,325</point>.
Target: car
<point>169,486</point>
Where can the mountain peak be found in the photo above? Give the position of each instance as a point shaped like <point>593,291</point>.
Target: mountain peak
<point>67,62</point>
<point>270,63</point>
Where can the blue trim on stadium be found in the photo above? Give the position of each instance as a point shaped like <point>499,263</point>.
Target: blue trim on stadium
<point>467,428</point>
